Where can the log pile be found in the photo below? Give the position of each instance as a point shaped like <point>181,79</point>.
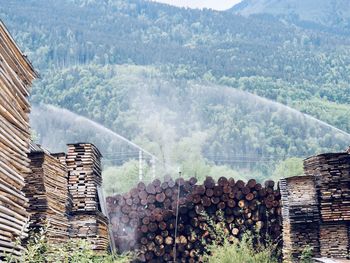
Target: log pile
<point>300,214</point>
<point>84,178</point>
<point>16,76</point>
<point>47,191</point>
<point>173,220</point>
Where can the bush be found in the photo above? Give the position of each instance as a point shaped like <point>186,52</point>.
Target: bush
<point>39,250</point>
<point>242,251</point>
<point>306,255</point>
<point>228,249</point>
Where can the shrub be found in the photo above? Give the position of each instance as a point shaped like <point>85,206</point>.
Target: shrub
<point>39,250</point>
<point>243,251</point>
<point>306,255</point>
<point>226,249</point>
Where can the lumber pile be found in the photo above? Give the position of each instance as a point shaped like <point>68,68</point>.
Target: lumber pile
<point>84,167</point>
<point>47,191</point>
<point>332,176</point>
<point>300,214</point>
<point>16,76</point>
<point>46,184</point>
<point>84,178</point>
<point>93,227</point>
<point>173,220</point>
<point>332,173</point>
<point>316,208</point>
<point>334,240</point>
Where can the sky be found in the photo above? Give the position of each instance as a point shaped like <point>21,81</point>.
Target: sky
<point>214,4</point>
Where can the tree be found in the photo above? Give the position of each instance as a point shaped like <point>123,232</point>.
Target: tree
<point>289,167</point>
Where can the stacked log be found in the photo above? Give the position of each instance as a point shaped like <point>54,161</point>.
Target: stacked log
<point>174,220</point>
<point>16,76</point>
<point>300,214</point>
<point>84,178</point>
<point>47,192</point>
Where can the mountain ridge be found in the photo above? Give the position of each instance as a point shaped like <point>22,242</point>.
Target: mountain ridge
<point>324,12</point>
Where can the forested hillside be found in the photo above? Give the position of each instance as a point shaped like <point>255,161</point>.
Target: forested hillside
<point>162,75</point>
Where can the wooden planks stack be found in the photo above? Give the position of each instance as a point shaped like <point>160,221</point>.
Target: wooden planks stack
<point>334,240</point>
<point>16,76</point>
<point>92,227</point>
<point>156,217</point>
<point>332,173</point>
<point>84,167</point>
<point>332,176</point>
<point>47,190</point>
<point>300,214</point>
<point>84,178</point>
<point>316,208</point>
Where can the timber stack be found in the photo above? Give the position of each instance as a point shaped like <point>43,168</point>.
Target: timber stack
<point>300,216</point>
<point>332,180</point>
<point>84,182</point>
<point>47,190</point>
<point>16,76</point>
<point>316,208</point>
<point>33,182</point>
<point>173,220</point>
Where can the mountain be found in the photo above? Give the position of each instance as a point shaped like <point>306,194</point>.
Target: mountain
<point>330,13</point>
<point>105,59</point>
<point>64,32</point>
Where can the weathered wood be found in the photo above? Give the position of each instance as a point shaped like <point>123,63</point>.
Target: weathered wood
<point>84,168</point>
<point>316,208</point>
<point>47,191</point>
<point>332,175</point>
<point>84,180</point>
<point>16,76</point>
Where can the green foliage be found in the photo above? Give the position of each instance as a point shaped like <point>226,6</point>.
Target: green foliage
<point>34,136</point>
<point>241,251</point>
<point>289,167</point>
<point>186,124</point>
<point>149,71</point>
<point>306,255</point>
<point>39,250</point>
<point>225,249</point>
<point>209,43</point>
<point>120,179</point>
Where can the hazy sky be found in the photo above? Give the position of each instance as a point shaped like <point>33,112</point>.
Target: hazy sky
<point>214,4</point>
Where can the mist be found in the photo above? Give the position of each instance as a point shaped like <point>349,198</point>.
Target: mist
<point>197,128</point>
